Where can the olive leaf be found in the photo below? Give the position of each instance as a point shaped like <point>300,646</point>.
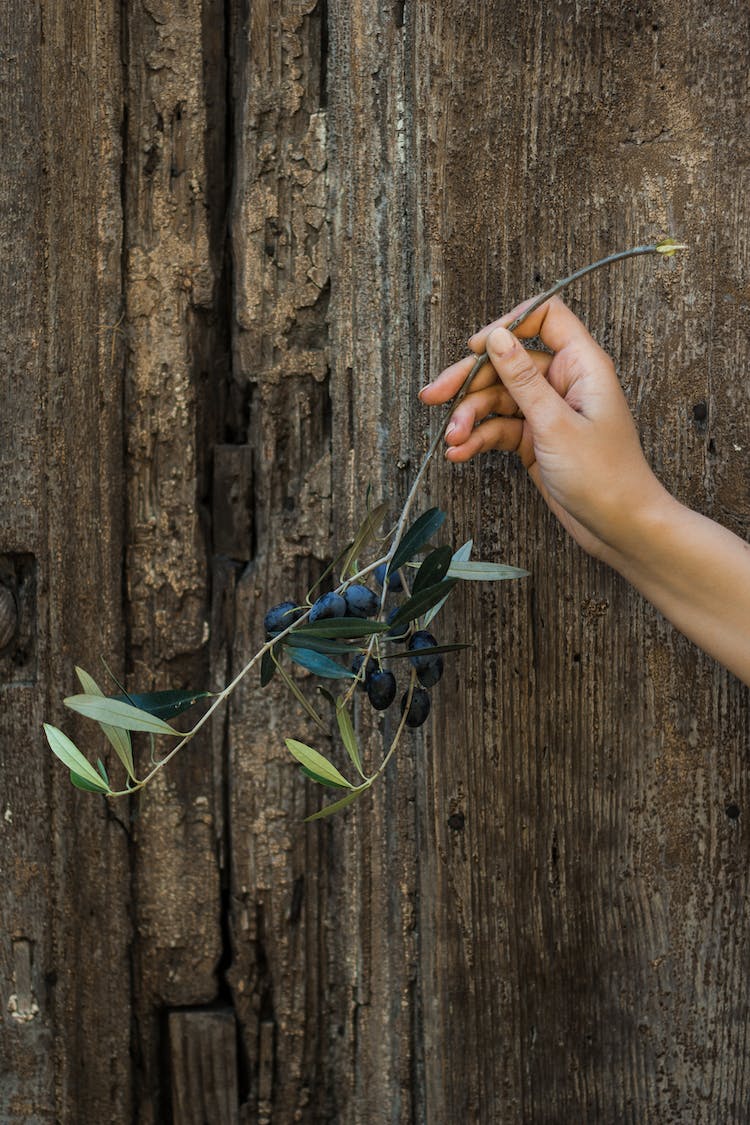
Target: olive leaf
<point>319,664</point>
<point>365,534</point>
<point>316,763</point>
<point>348,736</point>
<point>117,737</point>
<point>267,668</point>
<point>484,571</point>
<point>433,569</point>
<point>329,810</point>
<point>163,704</point>
<point>69,754</point>
<point>113,711</point>
<point>332,627</point>
<point>463,554</point>
<point>420,532</point>
<point>418,604</point>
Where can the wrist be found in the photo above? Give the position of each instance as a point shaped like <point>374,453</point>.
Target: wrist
<point>634,543</point>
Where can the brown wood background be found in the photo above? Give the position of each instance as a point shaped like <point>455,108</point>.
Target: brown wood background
<point>236,238</point>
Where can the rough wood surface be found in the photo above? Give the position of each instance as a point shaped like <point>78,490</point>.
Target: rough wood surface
<point>64,967</point>
<point>541,915</point>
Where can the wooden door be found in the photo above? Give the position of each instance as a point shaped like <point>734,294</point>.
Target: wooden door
<point>237,238</point>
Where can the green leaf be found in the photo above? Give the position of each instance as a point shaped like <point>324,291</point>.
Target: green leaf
<point>320,780</point>
<point>315,762</point>
<point>332,627</point>
<point>117,737</point>
<point>320,644</point>
<point>329,810</point>
<point>348,737</point>
<point>420,532</point>
<point>299,696</point>
<point>484,571</point>
<point>418,604</point>
<point>670,246</point>
<point>365,534</point>
<point>319,664</point>
<point>69,754</point>
<point>163,704</point>
<point>267,668</point>
<point>88,786</point>
<point>433,569</point>
<point>118,714</point>
<point>401,653</point>
<point>103,772</point>
<point>463,554</point>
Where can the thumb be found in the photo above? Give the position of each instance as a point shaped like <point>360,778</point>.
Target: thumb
<point>520,375</point>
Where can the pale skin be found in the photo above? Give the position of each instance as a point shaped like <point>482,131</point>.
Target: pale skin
<point>577,439</point>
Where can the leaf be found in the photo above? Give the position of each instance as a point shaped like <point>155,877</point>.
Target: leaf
<point>69,754</point>
<point>103,772</point>
<point>267,668</point>
<point>118,738</point>
<point>365,534</point>
<point>463,554</point>
<point>420,532</point>
<point>164,704</point>
<point>433,569</point>
<point>670,246</point>
<point>118,714</point>
<point>298,695</point>
<point>315,762</point>
<point>484,571</point>
<point>320,644</point>
<point>348,737</point>
<point>319,664</point>
<point>329,810</point>
<point>320,780</point>
<point>88,786</point>
<point>418,604</point>
<point>332,627</point>
<point>399,655</point>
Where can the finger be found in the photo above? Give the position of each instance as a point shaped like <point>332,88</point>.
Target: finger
<point>523,378</point>
<point>449,382</point>
<point>553,322</point>
<point>495,433</point>
<point>475,408</point>
<point>491,400</point>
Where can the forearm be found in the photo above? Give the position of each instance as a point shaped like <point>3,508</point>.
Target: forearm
<point>697,574</point>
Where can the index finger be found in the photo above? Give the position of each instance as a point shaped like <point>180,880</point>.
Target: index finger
<point>553,322</point>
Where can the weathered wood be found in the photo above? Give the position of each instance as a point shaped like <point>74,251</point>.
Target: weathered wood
<point>279,357</point>
<point>173,191</point>
<point>64,972</point>
<point>203,1067</point>
<point>539,915</point>
<point>580,942</point>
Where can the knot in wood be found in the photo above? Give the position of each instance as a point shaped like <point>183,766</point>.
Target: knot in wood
<point>8,616</point>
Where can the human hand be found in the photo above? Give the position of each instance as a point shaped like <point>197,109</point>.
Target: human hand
<point>576,436</point>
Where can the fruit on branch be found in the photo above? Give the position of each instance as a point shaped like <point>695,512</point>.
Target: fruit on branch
<point>381,689</point>
<point>280,617</point>
<point>361,602</point>
<point>419,708</point>
<point>329,605</point>
<point>394,580</point>
<point>398,632</point>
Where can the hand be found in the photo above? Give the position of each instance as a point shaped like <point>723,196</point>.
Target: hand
<point>576,436</point>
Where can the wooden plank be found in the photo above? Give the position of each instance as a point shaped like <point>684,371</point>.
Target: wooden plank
<point>279,361</point>
<point>583,872</point>
<point>174,195</point>
<point>203,1067</point>
<point>64,938</point>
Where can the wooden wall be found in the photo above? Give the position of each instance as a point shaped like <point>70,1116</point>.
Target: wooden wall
<point>237,238</point>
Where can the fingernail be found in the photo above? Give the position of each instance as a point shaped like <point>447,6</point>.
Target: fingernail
<point>450,429</point>
<point>501,341</point>
<point>423,389</point>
